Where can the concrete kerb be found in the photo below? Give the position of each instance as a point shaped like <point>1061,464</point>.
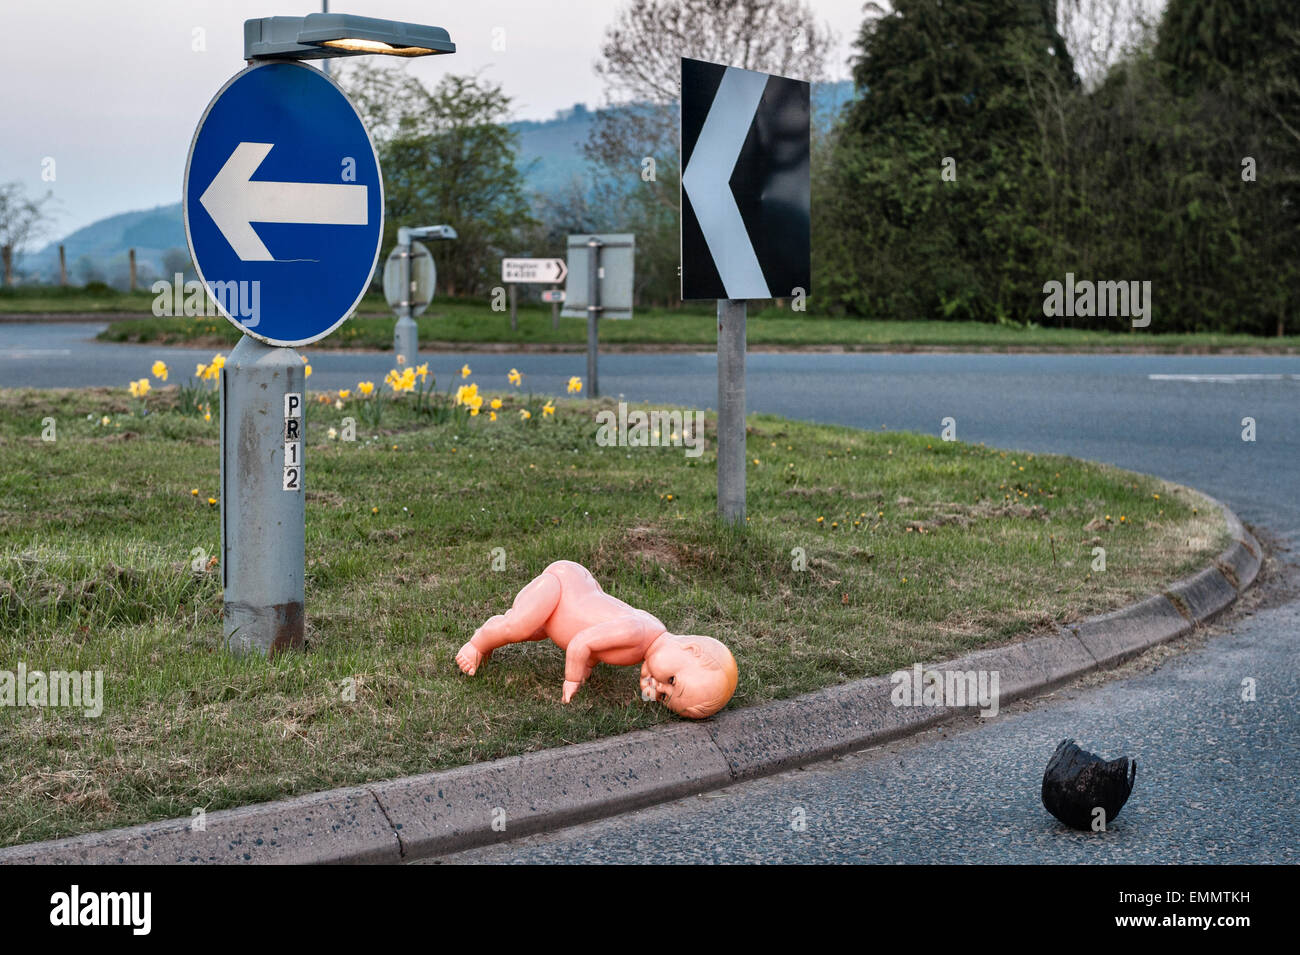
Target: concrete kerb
<point>451,810</point>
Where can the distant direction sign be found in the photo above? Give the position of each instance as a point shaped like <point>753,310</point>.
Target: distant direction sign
<point>745,183</point>
<point>527,271</point>
<point>553,295</point>
<point>283,203</point>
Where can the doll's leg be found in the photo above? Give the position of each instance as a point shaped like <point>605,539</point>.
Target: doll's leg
<point>522,622</point>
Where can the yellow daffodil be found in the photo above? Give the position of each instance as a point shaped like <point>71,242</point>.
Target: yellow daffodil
<point>514,377</point>
<point>308,371</point>
<point>575,385</point>
<point>468,394</point>
<point>218,361</point>
<point>422,371</point>
<point>200,370</point>
<point>464,371</point>
<point>525,414</point>
<point>159,370</point>
<point>365,387</point>
<point>194,492</point>
<point>345,393</point>
<point>496,404</point>
<point>492,416</point>
<point>212,501</point>
<point>548,409</point>
<point>207,416</point>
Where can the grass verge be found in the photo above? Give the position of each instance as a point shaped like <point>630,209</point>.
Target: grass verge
<point>915,549</point>
<point>472,322</point>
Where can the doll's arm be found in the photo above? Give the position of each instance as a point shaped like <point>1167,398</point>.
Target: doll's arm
<point>616,634</point>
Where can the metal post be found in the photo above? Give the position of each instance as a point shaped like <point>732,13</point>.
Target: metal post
<point>555,313</point>
<point>263,517</point>
<point>325,63</point>
<point>133,270</point>
<point>406,334</point>
<point>731,410</point>
<point>593,314</point>
<point>514,315</point>
<point>63,266</point>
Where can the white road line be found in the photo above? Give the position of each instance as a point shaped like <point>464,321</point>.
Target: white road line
<point>1223,379</point>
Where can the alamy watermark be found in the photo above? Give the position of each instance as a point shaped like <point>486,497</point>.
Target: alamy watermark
<point>79,690</point>
<point>955,688</point>
<point>1088,299</point>
<point>651,429</point>
<point>241,300</point>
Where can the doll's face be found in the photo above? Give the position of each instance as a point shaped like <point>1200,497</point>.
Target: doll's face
<point>692,676</point>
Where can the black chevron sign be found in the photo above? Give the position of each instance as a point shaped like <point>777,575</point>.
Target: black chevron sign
<point>745,183</point>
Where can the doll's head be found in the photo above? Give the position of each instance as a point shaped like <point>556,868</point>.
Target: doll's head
<point>692,676</point>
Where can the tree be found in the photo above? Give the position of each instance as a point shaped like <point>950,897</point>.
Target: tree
<point>932,205</point>
<point>640,67</point>
<point>1238,64</point>
<point>1207,41</point>
<point>447,158</point>
<point>177,262</point>
<point>21,221</point>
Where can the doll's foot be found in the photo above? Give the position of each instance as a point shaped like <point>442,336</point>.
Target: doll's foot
<point>469,659</point>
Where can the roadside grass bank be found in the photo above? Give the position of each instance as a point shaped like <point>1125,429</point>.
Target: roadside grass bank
<point>912,549</point>
<point>464,322</point>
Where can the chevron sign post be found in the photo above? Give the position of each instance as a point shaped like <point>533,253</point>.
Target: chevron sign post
<point>745,222</point>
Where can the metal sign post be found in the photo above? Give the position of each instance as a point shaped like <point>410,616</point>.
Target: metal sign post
<point>731,410</point>
<point>555,296</point>
<point>600,286</point>
<point>283,207</point>
<point>410,276</point>
<point>745,222</point>
<point>263,514</point>
<point>593,313</point>
<point>406,334</point>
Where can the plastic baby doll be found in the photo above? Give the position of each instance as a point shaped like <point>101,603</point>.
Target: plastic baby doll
<point>693,676</point>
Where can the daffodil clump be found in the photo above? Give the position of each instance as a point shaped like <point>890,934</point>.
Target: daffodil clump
<point>195,396</point>
<point>462,401</point>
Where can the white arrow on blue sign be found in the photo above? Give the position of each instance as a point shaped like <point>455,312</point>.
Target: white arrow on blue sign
<point>284,203</point>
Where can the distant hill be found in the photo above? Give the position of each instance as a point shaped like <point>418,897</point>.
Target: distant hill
<point>550,156</point>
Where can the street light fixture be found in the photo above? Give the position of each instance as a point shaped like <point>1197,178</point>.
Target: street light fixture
<point>405,235</point>
<point>320,36</point>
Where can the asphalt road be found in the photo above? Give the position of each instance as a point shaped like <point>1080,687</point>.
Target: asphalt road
<point>1217,781</point>
<point>1218,777</point>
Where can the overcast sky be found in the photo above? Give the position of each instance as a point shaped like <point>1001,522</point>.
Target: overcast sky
<point>111,89</point>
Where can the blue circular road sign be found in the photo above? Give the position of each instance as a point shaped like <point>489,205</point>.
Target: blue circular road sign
<point>284,203</point>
